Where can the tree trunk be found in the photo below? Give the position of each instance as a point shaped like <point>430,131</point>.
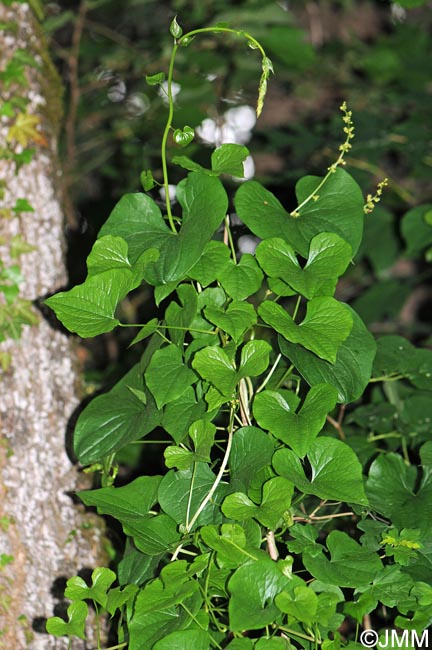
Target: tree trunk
<point>44,537</point>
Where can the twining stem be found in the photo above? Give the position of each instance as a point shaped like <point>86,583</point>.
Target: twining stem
<point>165,138</point>
<point>220,474</point>
<point>183,40</point>
<point>216,482</point>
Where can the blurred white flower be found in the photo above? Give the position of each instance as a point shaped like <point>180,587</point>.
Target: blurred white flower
<point>241,118</point>
<point>171,193</point>
<point>249,170</point>
<point>163,90</point>
<point>213,133</point>
<point>235,127</point>
<point>117,92</point>
<point>247,244</point>
<point>137,104</point>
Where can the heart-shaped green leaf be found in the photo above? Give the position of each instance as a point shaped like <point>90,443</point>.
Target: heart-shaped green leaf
<point>243,279</point>
<point>350,373</point>
<point>350,564</point>
<point>204,203</point>
<point>301,604</point>
<point>138,220</point>
<point>184,136</point>
<point>88,309</point>
<point>214,365</point>
<point>326,325</point>
<point>297,430</point>
<point>254,359</point>
<point>155,79</point>
<point>114,419</point>
<point>147,180</point>
<point>77,615</point>
<point>276,501</point>
<point>336,471</point>
<point>261,211</point>
<point>214,259</point>
<point>229,159</point>
<point>253,588</point>
<point>329,256</point>
<point>167,376</point>
<point>235,320</point>
<point>102,580</point>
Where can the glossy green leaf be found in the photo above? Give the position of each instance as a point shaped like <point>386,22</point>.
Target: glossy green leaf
<point>138,220</point>
<point>119,597</point>
<point>416,229</point>
<point>184,136</point>
<point>155,79</point>
<point>352,369</point>
<point>181,494</point>
<point>146,330</point>
<point>236,319</point>
<point>325,327</point>
<point>77,614</point>
<point>166,376</point>
<point>184,640</point>
<point>253,588</point>
<point>243,279</point>
<point>232,544</point>
<point>301,604</point>
<point>251,450</point>
<point>202,434</point>
<point>179,415</point>
<point>336,471</point>
<point>339,209</point>
<point>229,159</point>
<point>350,565</point>
<point>204,203</point>
<point>114,419</point>
<point>136,567</point>
<point>153,535</point>
<point>254,359</point>
<point>129,502</point>
<point>178,318</point>
<point>238,506</point>
<point>214,365</point>
<point>297,430</point>
<point>88,309</point>
<point>186,163</point>
<point>157,612</point>
<point>102,580</point>
<point>329,256</point>
<point>213,260</point>
<point>276,500</point>
<point>393,490</point>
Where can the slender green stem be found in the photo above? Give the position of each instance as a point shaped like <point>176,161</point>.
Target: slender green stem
<point>219,474</point>
<point>213,488</point>
<point>296,308</point>
<point>230,239</point>
<point>269,375</point>
<point>165,138</point>
<point>226,30</point>
<point>190,496</point>
<point>299,634</point>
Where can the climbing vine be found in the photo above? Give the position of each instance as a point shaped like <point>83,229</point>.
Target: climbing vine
<point>288,510</point>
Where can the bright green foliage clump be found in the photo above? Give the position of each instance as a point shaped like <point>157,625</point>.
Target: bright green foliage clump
<point>239,544</point>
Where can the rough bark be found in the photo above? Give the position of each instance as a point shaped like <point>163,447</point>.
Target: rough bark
<point>48,536</point>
